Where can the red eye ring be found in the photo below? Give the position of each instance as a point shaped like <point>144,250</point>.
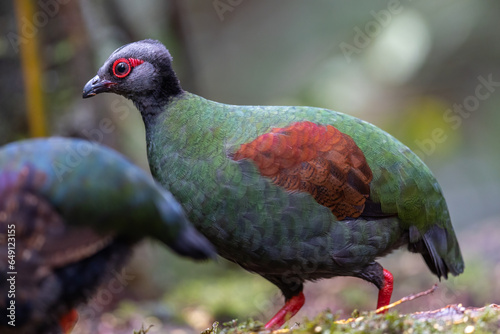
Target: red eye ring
<point>121,72</point>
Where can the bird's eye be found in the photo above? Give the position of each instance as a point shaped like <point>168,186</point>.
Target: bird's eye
<point>121,68</point>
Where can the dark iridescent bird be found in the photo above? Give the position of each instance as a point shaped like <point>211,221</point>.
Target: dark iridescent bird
<point>290,193</point>
<point>70,210</point>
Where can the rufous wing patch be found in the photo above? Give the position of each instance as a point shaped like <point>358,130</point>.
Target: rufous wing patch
<point>317,159</point>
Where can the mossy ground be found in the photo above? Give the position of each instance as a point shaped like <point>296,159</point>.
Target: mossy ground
<point>448,320</point>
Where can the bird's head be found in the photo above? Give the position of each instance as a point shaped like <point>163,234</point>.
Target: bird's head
<point>140,71</point>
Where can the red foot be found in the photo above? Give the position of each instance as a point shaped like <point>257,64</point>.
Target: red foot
<point>291,307</point>
<point>384,294</point>
<point>68,321</point>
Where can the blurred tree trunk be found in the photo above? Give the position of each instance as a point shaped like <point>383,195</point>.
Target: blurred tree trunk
<point>32,72</point>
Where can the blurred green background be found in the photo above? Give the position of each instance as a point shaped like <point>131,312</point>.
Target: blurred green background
<point>427,72</point>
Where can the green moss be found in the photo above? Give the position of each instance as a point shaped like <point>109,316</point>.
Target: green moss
<point>486,320</point>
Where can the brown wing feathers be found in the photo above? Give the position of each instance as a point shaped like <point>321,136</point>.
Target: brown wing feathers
<point>316,159</point>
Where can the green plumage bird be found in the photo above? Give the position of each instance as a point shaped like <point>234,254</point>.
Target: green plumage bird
<point>290,193</point>
<point>70,210</point>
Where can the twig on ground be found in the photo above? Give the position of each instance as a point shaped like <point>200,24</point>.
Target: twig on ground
<point>396,303</point>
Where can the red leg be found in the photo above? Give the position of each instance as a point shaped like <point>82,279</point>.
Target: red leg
<point>68,321</point>
<point>291,307</point>
<point>384,294</point>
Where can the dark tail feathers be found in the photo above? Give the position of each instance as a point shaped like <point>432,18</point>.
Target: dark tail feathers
<point>440,251</point>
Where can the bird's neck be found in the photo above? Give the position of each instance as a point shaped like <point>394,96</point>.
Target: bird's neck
<point>154,103</point>
<point>151,108</point>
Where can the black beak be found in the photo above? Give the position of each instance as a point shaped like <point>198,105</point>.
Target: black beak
<point>97,85</point>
